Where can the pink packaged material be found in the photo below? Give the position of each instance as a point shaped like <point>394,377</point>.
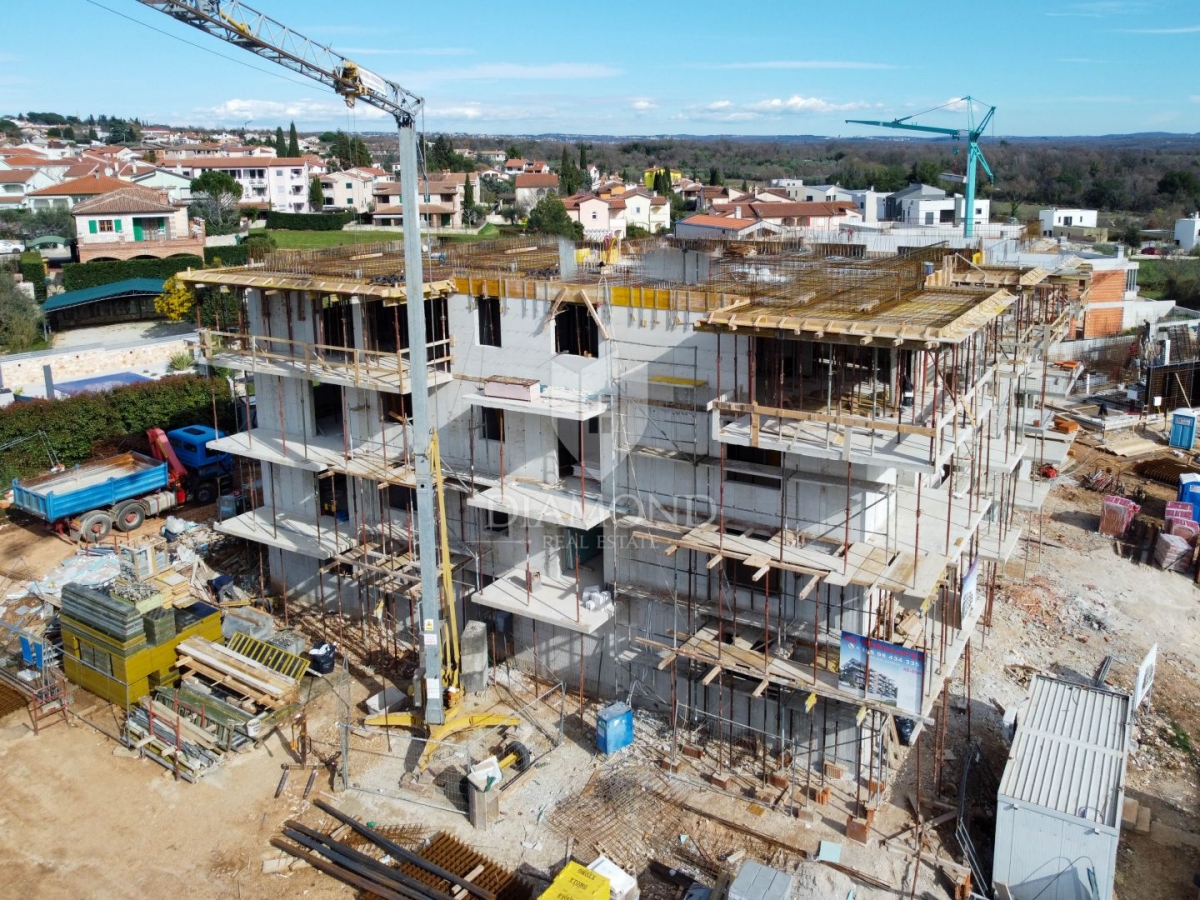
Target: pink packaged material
<point>1180,508</point>
<point>1173,552</point>
<point>1115,515</point>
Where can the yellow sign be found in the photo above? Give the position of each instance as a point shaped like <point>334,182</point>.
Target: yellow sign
<point>862,714</point>
<point>428,626</point>
<point>809,702</point>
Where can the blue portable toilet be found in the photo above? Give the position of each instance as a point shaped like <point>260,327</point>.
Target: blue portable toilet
<point>614,727</point>
<point>1189,492</point>
<point>1183,429</point>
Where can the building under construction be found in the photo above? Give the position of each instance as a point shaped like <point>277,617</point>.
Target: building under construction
<point>766,492</point>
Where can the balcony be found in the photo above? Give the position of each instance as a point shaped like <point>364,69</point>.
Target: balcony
<point>373,460</point>
<point>318,538</point>
<point>346,366</point>
<point>555,602</point>
<point>160,243</point>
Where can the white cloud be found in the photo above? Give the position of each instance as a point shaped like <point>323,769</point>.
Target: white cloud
<point>240,110</point>
<point>805,64</point>
<point>1195,98</point>
<point>955,104</point>
<point>642,104</point>
<point>474,111</point>
<point>798,104</point>
<point>719,104</point>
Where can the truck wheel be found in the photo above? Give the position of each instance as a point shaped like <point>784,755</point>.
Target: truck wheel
<point>206,493</point>
<point>95,526</point>
<point>129,517</point>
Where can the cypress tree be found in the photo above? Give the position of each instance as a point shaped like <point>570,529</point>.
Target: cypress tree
<point>293,147</point>
<point>280,143</point>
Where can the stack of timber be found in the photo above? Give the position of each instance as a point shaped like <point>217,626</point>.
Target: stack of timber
<point>239,673</point>
<point>170,738</point>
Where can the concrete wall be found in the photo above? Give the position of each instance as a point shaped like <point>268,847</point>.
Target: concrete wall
<point>68,365</point>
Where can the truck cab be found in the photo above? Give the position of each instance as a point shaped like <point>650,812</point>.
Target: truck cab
<point>207,469</point>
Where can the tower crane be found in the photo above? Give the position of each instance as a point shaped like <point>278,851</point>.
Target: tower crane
<point>972,133</point>
<point>243,26</point>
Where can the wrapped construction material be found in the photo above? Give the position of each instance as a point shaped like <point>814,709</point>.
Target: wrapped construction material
<point>1173,553</point>
<point>1115,515</point>
<point>1180,508</point>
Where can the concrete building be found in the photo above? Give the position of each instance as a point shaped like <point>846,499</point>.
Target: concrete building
<point>443,200</point>
<point>694,471</point>
<point>1187,232</point>
<point>792,187</point>
<point>925,205</point>
<point>134,222</point>
<point>348,190</point>
<point>278,183</point>
<point>1056,221</point>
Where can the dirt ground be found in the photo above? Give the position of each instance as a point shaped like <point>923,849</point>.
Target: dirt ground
<point>80,817</point>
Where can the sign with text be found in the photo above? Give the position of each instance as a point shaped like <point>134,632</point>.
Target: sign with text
<point>881,671</point>
<point>970,591</point>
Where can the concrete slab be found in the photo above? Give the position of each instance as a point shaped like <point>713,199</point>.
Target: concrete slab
<point>317,538</point>
<point>551,603</point>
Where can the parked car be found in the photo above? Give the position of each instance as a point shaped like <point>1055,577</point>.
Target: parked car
<point>11,247</point>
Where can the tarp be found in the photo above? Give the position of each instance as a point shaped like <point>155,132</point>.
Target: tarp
<point>128,288</point>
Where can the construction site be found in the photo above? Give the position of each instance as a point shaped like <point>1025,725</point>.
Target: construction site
<point>688,569</point>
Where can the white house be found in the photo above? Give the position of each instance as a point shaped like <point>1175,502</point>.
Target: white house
<point>178,187</point>
<point>533,187</point>
<point>16,183</point>
<point>1187,232</point>
<point>709,227</point>
<point>647,210</point>
<point>923,204</point>
<point>278,182</point>
<point>1052,219</point>
<point>822,193</point>
<point>792,187</point>
<point>347,190</point>
<point>599,216</point>
<point>870,202</point>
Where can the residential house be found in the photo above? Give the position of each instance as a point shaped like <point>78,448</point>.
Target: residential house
<point>1187,232</point>
<point>793,188</point>
<point>1073,224</point>
<point>55,170</point>
<point>710,194</point>
<point>278,182</point>
<point>208,150</point>
<point>533,187</point>
<point>348,190</point>
<point>67,193</point>
<point>134,222</point>
<point>16,183</point>
<point>728,228</point>
<point>442,197</point>
<point>600,216</point>
<point>923,204</point>
<point>820,216</point>
<point>647,210</point>
<point>822,193</point>
<point>526,167</point>
<point>870,202</point>
<point>177,186</point>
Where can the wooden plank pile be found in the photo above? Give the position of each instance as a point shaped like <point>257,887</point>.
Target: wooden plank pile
<point>238,673</point>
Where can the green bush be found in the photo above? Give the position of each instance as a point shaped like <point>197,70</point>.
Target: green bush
<point>236,255</point>
<point>33,270</point>
<point>309,221</point>
<point>77,276</point>
<point>115,420</point>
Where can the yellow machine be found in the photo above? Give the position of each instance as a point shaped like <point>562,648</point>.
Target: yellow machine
<point>456,718</point>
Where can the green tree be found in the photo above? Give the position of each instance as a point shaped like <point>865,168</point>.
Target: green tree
<point>569,179</point>
<point>511,214</point>
<point>316,194</point>
<point>925,171</point>
<point>471,211</point>
<point>714,176</point>
<point>583,160</point>
<point>550,217</point>
<point>745,186</point>
<point>350,152</point>
<point>215,196</point>
<point>512,151</point>
<point>259,243</point>
<point>20,317</point>
<point>280,143</point>
<point>293,146</point>
<point>91,134</point>
<point>440,154</point>
<point>1178,184</point>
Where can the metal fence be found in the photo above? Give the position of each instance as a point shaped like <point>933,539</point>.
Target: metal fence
<point>388,761</point>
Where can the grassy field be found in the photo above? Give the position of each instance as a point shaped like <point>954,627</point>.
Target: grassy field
<point>316,240</point>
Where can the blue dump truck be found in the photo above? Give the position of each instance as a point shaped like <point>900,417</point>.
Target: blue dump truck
<point>119,492</point>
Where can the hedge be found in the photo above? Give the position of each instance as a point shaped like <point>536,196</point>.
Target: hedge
<point>309,221</point>
<point>102,423</point>
<point>233,255</point>
<point>77,276</point>
<point>33,270</point>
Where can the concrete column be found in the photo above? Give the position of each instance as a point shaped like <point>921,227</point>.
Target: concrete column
<point>474,657</point>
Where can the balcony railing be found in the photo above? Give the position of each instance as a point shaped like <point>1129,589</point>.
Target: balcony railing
<point>375,370</point>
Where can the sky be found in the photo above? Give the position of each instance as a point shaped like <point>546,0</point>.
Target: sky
<point>632,68</point>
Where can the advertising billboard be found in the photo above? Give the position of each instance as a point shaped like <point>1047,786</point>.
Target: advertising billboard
<point>880,671</point>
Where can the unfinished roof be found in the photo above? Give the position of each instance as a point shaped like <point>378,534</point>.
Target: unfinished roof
<point>909,299</point>
<point>1069,752</point>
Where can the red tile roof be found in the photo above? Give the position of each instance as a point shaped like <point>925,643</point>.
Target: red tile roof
<point>243,162</point>
<point>16,176</point>
<point>719,222</point>
<point>772,210</point>
<point>537,180</point>
<point>88,186</point>
<point>129,199</point>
